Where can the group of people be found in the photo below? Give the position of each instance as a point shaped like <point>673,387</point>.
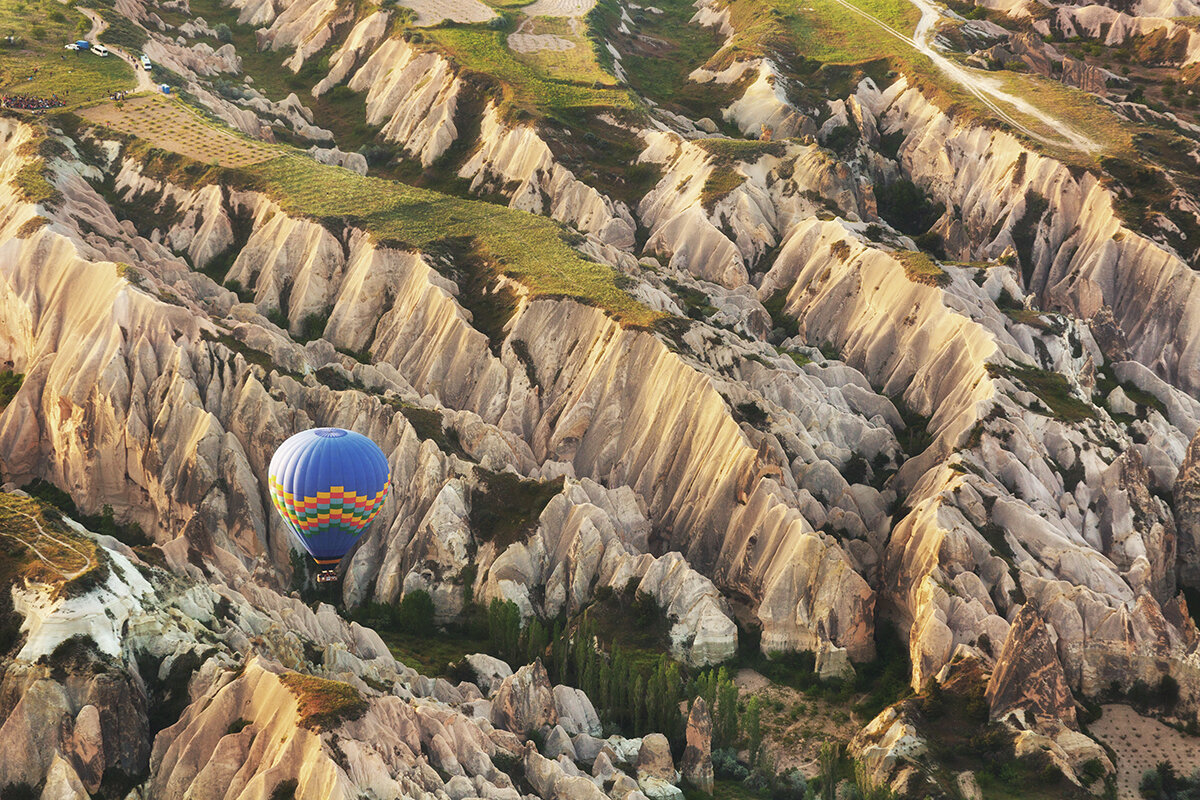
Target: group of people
<point>29,102</point>
<point>118,95</point>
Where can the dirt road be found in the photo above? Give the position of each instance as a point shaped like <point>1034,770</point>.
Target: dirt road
<point>987,90</point>
<point>145,83</point>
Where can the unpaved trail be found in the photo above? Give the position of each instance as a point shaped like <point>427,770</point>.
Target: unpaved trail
<point>89,561</point>
<point>987,90</point>
<point>144,82</point>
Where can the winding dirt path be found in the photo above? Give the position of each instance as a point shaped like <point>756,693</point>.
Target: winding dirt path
<point>144,82</point>
<point>89,562</point>
<point>987,90</point>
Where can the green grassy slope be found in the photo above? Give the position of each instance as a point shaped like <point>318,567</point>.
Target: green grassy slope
<point>529,248</point>
<point>35,63</point>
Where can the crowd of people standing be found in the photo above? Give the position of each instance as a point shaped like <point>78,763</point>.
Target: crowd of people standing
<point>29,102</point>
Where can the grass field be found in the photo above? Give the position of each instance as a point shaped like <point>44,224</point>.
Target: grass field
<point>171,125</point>
<point>36,546</point>
<point>658,60</point>
<point>575,64</point>
<point>527,247</point>
<point>828,32</point>
<point>429,655</point>
<point>525,86</point>
<point>1075,107</point>
<point>819,30</point>
<point>35,63</point>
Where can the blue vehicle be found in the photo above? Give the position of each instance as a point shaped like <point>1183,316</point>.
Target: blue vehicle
<point>83,44</point>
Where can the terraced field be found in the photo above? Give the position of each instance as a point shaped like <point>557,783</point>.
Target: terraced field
<point>171,125</point>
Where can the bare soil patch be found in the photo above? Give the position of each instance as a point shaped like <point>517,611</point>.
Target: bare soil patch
<point>1140,743</point>
<point>432,12</point>
<point>167,123</point>
<point>560,8</point>
<point>795,725</point>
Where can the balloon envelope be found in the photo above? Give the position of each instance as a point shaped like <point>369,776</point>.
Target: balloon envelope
<point>328,484</point>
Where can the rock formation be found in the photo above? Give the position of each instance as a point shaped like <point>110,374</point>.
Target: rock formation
<point>1027,679</point>
<point>525,701</point>
<point>825,430</point>
<point>1187,514</point>
<point>696,765</point>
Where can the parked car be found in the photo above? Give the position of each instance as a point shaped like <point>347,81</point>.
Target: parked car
<point>99,49</point>
<point>146,62</point>
<point>70,46</point>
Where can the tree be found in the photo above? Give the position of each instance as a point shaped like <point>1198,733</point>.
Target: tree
<point>725,722</point>
<point>223,33</point>
<point>829,758</point>
<point>605,682</point>
<point>558,655</point>
<point>415,613</point>
<point>504,630</point>
<point>536,640</point>
<point>639,705</point>
<point>751,726</point>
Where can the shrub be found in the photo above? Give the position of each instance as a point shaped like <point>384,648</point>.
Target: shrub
<point>505,507</point>
<point>31,226</point>
<point>726,765</point>
<point>322,703</point>
<point>841,138</point>
<point>10,384</point>
<point>18,791</point>
<point>415,613</point>
<point>907,207</point>
<point>751,413</point>
<point>284,790</point>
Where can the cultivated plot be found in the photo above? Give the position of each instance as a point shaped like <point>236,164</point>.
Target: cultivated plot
<point>432,12</point>
<point>1140,743</point>
<point>172,126</point>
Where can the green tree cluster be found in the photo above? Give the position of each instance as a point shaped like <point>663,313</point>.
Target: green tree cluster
<point>633,697</point>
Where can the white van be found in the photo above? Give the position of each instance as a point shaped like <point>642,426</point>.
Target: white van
<point>146,62</point>
<point>99,49</point>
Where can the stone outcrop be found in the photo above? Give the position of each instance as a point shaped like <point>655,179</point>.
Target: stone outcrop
<point>1105,256</point>
<point>516,162</point>
<point>525,701</point>
<point>590,537</point>
<point>655,769</point>
<point>720,244</point>
<point>490,672</point>
<point>454,360</point>
<point>696,764</point>
<point>1028,681</point>
<point>412,95</point>
<point>234,679</point>
<point>729,457</point>
<point>1187,515</point>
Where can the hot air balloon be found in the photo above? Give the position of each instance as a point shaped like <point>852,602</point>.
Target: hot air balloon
<point>328,484</point>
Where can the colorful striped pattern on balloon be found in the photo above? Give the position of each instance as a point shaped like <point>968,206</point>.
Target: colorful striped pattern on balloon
<point>336,508</point>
